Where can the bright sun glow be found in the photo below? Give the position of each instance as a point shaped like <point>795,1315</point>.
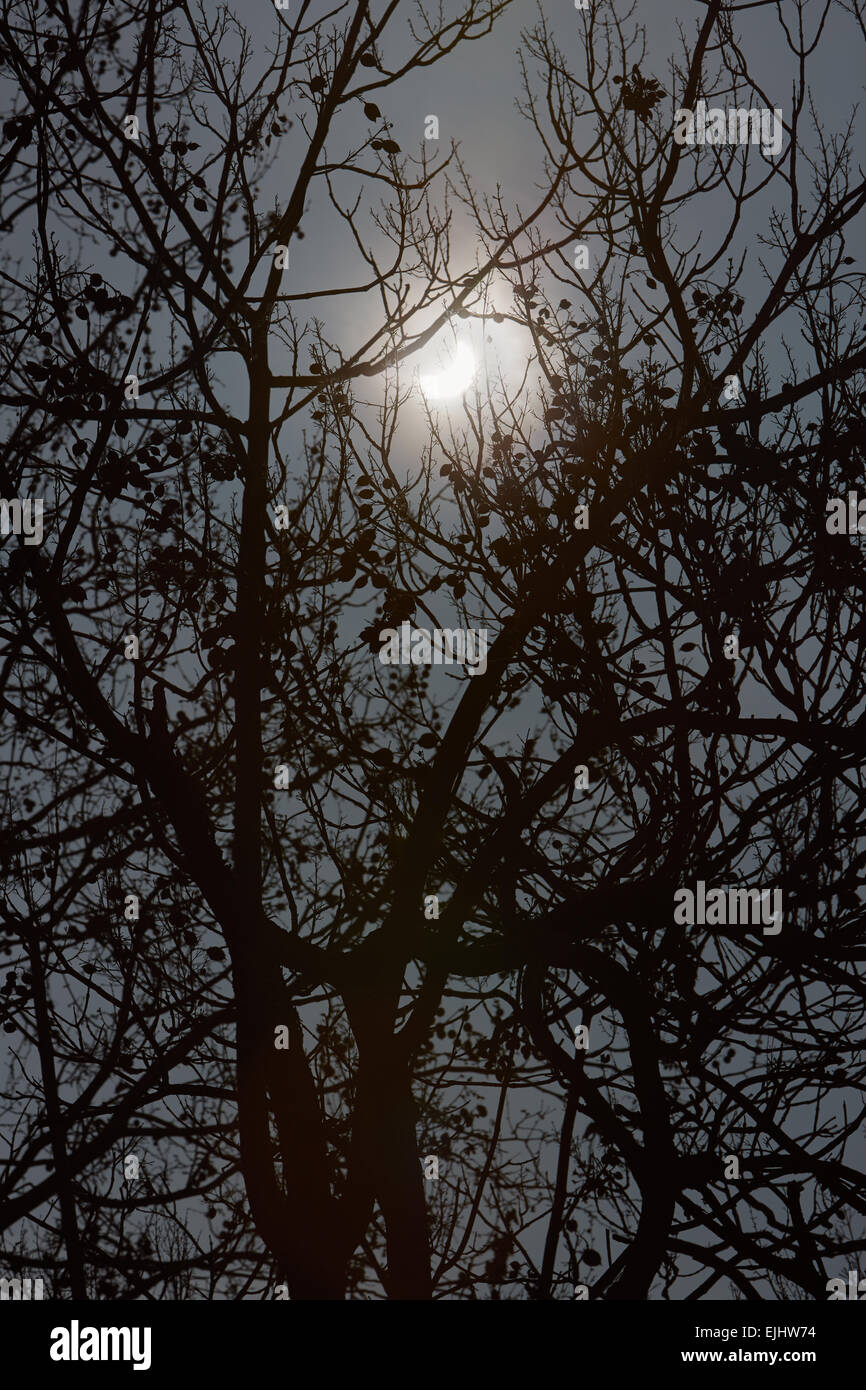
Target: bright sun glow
<point>454,379</point>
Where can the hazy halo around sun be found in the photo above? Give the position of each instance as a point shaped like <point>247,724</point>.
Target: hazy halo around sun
<point>453,379</point>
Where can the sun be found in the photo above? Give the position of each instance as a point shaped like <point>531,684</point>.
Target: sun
<point>454,379</point>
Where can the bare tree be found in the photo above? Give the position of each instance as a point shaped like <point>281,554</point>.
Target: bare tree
<point>374,962</point>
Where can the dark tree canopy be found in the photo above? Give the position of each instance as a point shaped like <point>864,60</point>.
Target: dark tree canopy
<point>342,978</point>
